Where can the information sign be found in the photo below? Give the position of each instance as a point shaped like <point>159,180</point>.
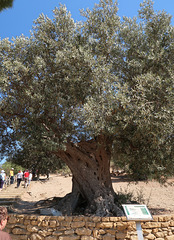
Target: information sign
<point>137,212</point>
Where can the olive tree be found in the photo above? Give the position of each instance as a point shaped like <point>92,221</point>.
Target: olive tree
<point>88,91</point>
<point>5,4</point>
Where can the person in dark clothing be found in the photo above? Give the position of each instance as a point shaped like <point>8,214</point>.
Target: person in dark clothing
<point>19,178</point>
<point>3,222</point>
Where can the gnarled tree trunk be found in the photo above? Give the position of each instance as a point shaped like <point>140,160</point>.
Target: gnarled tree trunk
<point>91,182</point>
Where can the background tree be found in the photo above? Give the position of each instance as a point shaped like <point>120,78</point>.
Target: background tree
<point>5,4</point>
<point>35,157</point>
<point>86,91</point>
<point>7,166</point>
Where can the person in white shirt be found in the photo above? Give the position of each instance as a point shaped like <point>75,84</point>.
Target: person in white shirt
<point>2,179</point>
<point>19,178</point>
<point>30,178</point>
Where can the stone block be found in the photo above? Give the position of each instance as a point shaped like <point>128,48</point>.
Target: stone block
<point>20,220</point>
<point>101,231</point>
<point>19,231</point>
<point>32,228</point>
<point>78,218</point>
<point>155,230</point>
<point>32,217</point>
<point>131,226</point>
<point>134,237</point>
<point>114,219</point>
<point>121,226</point>
<point>165,224</point>
<point>166,218</point>
<point>95,233</point>
<point>105,219</point>
<point>33,222</point>
<point>39,218</point>
<point>150,236</point>
<point>35,236</point>
<point>62,228</point>
<point>96,219</point>
<point>12,219</point>
<point>120,235</point>
<point>87,238</point>
<point>65,224</point>
<point>60,218</point>
<point>155,218</point>
<point>83,231</point>
<point>124,219</point>
<point>19,237</point>
<point>147,231</point>
<point>90,224</point>
<point>160,218</point>
<point>69,232</point>
<point>151,225</point>
<point>169,237</point>
<point>108,237</point>
<point>77,224</point>
<point>53,223</point>
<point>105,225</point>
<point>52,238</point>
<point>57,233</point>
<point>75,237</point>
<point>68,219</point>
<point>45,223</point>
<point>111,231</point>
<point>44,233</point>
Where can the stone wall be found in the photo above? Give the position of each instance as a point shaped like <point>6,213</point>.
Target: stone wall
<point>32,227</point>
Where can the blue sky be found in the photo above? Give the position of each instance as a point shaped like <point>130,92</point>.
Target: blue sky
<point>19,19</point>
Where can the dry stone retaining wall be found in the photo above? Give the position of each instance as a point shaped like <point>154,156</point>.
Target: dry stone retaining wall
<point>32,227</point>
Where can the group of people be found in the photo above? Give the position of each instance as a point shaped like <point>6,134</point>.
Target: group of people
<point>2,179</point>
<point>26,176</point>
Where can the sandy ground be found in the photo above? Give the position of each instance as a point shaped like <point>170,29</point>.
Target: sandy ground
<point>158,198</point>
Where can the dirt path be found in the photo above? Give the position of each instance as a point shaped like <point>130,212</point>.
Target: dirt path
<point>158,198</point>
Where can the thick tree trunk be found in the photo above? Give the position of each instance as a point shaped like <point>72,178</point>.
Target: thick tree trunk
<point>91,183</point>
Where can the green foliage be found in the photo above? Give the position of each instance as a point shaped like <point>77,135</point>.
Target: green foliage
<point>7,166</point>
<point>5,4</point>
<point>34,156</point>
<point>70,82</point>
<point>125,196</point>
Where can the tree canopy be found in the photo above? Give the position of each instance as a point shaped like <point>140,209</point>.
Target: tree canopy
<point>105,82</point>
<point>5,4</point>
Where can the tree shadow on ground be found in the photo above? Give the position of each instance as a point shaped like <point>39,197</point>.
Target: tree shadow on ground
<point>27,207</point>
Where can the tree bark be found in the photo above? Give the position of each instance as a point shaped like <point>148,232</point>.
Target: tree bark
<point>89,163</point>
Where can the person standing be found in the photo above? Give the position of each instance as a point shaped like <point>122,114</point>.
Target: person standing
<point>26,175</point>
<point>30,177</point>
<point>19,178</point>
<point>12,176</point>
<point>2,179</point>
<point>3,222</point>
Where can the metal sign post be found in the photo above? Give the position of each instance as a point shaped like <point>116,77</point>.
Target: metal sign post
<point>139,231</point>
<point>137,213</point>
